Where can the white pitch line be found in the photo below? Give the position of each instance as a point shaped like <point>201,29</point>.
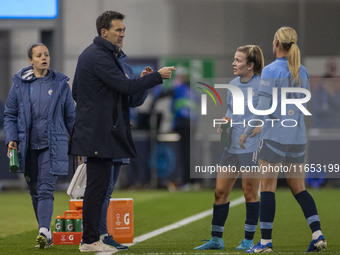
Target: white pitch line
<point>181,223</point>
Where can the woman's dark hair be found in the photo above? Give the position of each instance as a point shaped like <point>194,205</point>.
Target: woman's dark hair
<point>104,20</point>
<point>31,47</point>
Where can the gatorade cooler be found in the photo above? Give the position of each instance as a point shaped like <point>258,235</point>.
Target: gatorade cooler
<point>120,222</point>
<point>68,237</point>
<point>76,204</point>
<point>120,219</point>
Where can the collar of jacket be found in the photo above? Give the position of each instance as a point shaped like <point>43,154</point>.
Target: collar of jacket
<point>106,44</point>
<point>51,73</point>
<point>122,56</point>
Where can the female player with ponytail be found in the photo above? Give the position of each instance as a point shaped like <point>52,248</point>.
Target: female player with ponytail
<point>248,64</point>
<point>280,145</point>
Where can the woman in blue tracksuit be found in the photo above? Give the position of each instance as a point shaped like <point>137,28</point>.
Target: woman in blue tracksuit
<point>39,116</point>
<point>248,64</point>
<point>283,145</point>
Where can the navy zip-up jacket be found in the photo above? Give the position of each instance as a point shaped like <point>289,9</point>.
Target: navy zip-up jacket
<point>138,98</point>
<point>41,90</point>
<point>134,100</point>
<point>60,118</point>
<point>102,126</point>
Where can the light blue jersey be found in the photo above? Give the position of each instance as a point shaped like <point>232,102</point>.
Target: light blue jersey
<point>277,75</point>
<point>237,129</point>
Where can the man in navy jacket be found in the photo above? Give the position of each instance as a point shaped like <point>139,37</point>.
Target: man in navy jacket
<point>102,127</point>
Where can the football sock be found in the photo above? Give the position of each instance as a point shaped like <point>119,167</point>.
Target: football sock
<point>252,215</point>
<point>103,236</point>
<point>316,234</point>
<point>266,241</point>
<point>220,214</point>
<point>46,232</point>
<point>308,207</point>
<point>267,214</point>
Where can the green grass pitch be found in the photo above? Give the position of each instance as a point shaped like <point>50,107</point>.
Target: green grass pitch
<point>156,209</point>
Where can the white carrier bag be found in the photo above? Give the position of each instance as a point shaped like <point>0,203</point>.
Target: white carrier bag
<point>78,182</point>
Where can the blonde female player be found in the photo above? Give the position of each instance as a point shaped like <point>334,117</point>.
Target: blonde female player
<point>248,64</point>
<point>282,145</point>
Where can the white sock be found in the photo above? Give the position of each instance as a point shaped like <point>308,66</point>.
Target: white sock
<point>46,232</point>
<point>266,241</point>
<point>103,236</point>
<point>316,234</point>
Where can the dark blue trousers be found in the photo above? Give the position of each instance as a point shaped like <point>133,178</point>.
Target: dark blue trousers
<point>98,178</point>
<point>113,179</point>
<point>41,185</point>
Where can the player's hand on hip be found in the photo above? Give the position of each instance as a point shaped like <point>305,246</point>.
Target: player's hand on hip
<point>256,131</point>
<point>242,140</point>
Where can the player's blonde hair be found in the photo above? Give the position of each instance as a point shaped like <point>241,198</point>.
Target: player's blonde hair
<point>287,38</point>
<point>254,55</point>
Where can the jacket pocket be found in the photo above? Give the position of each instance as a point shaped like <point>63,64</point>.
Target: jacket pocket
<point>21,142</point>
<point>21,136</point>
<point>60,147</point>
<point>62,137</point>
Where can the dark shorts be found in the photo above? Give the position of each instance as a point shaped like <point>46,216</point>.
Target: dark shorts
<point>274,152</point>
<point>245,159</point>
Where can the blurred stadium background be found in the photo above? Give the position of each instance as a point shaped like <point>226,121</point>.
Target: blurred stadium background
<point>199,35</point>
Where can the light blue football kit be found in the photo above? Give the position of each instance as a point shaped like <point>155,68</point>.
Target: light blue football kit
<point>235,155</point>
<point>279,129</point>
<point>277,75</point>
<point>238,120</point>
<point>284,144</point>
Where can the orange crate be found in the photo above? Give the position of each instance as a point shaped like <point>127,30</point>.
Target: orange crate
<point>120,222</point>
<point>67,238</point>
<point>76,204</point>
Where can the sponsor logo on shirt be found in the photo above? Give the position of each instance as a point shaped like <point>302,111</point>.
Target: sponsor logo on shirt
<point>265,83</point>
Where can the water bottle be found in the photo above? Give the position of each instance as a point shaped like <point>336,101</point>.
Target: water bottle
<point>59,224</point>
<point>69,223</point>
<point>78,224</point>
<point>13,160</point>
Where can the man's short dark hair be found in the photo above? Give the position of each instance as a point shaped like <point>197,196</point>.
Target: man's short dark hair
<point>104,20</point>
